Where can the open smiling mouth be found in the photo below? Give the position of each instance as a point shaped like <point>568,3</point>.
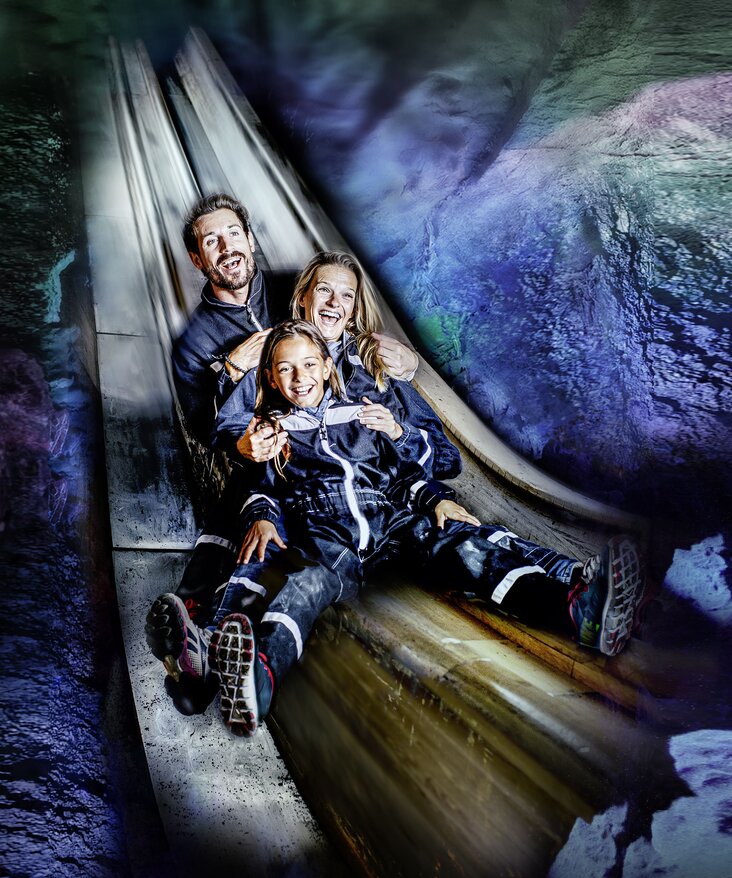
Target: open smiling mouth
<point>231,262</point>
<point>329,318</point>
<point>301,392</point>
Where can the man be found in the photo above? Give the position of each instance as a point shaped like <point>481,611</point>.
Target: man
<point>224,337</point>
<point>222,342</point>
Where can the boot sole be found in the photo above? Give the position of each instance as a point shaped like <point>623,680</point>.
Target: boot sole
<point>231,655</point>
<point>625,589</point>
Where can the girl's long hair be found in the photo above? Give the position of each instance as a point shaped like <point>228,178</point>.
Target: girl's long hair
<point>365,319</point>
<point>270,404</point>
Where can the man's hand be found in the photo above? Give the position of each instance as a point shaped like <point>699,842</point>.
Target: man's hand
<point>448,509</point>
<point>246,355</point>
<point>378,417</point>
<point>400,361</point>
<point>261,441</point>
<point>256,540</point>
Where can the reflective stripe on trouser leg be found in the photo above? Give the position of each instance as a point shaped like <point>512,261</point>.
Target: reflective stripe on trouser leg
<point>503,587</point>
<point>291,626</point>
<point>553,563</point>
<point>306,593</point>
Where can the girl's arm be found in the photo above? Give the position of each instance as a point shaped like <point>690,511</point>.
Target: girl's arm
<point>236,413</point>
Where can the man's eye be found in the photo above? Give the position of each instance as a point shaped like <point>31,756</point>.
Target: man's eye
<point>209,242</point>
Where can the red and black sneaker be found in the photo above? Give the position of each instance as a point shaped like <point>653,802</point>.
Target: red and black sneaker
<point>246,684</point>
<point>175,639</point>
<point>602,605</point>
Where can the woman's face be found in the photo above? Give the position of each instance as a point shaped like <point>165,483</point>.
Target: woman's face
<point>299,372</point>
<point>330,300</point>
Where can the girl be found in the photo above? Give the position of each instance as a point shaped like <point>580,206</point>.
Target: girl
<point>349,486</point>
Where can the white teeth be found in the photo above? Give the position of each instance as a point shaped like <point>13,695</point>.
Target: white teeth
<point>329,315</point>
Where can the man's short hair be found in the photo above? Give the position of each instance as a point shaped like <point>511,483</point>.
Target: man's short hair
<point>210,204</point>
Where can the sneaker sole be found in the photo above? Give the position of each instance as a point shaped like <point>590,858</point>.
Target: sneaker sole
<point>231,655</point>
<point>625,589</point>
<point>171,649</point>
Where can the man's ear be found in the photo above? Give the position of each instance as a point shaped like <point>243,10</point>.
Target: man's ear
<point>196,260</point>
<point>252,245</point>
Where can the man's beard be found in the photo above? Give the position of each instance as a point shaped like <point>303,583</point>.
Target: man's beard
<point>225,282</point>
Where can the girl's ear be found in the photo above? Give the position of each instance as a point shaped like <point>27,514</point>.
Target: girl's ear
<point>270,379</point>
<point>327,368</point>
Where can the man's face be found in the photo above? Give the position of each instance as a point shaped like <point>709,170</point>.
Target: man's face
<point>224,250</point>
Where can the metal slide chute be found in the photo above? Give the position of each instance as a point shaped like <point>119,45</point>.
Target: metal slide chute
<point>426,736</point>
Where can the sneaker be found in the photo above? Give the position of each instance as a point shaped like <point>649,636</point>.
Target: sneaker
<point>602,606</point>
<point>246,683</point>
<point>175,640</point>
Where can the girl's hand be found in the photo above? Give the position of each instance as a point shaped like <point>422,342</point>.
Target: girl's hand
<point>378,417</point>
<point>448,509</point>
<point>260,533</point>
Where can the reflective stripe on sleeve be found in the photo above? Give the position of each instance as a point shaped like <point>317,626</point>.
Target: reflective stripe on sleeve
<point>216,541</point>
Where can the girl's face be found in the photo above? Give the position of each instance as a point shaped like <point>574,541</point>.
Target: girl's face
<point>330,300</point>
<point>299,372</point>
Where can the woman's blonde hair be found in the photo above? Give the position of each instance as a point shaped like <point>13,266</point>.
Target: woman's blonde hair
<point>365,319</point>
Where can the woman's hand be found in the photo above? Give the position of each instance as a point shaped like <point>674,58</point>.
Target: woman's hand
<point>261,441</point>
<point>378,417</point>
<point>256,540</point>
<point>400,361</point>
<point>448,509</point>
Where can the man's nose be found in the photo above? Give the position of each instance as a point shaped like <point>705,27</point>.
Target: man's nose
<point>223,244</point>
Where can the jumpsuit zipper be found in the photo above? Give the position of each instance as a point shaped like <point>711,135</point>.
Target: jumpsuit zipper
<point>364,533</point>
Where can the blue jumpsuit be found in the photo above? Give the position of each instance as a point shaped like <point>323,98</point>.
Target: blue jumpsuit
<point>350,499</point>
